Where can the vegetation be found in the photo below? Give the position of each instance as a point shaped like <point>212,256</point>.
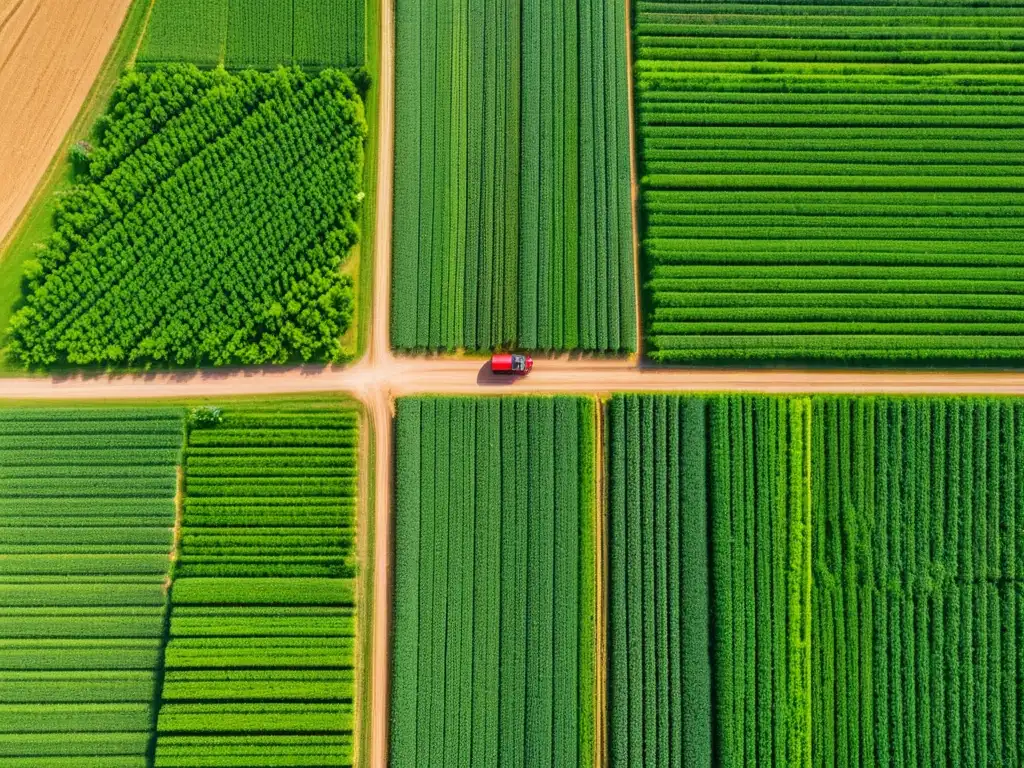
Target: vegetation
<point>189,31</point>
<point>220,171</point>
<point>918,597</point>
<point>256,33</point>
<point>849,580</point>
<point>832,182</point>
<point>86,510</point>
<point>512,185</point>
<point>495,589</point>
<point>659,582</point>
<point>260,661</point>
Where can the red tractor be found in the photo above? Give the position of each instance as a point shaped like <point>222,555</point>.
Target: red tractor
<point>514,365</point>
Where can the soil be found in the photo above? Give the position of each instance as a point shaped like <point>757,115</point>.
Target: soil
<point>51,51</point>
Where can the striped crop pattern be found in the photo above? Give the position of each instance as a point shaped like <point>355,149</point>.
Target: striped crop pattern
<point>512,177</point>
<point>824,581</point>
<point>832,181</point>
<point>260,662</point>
<point>495,583</point>
<point>86,512</point>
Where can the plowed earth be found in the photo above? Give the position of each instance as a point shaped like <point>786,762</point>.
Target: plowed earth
<point>50,53</point>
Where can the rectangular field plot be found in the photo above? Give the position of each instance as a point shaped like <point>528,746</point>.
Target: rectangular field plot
<point>845,589</point>
<point>495,591</point>
<point>191,31</point>
<point>512,177</point>
<point>328,32</point>
<point>836,182</point>
<point>259,33</point>
<point>256,33</point>
<point>260,665</point>
<point>86,513</point>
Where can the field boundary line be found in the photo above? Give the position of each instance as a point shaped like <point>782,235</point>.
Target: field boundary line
<point>634,184</point>
<point>378,348</point>
<point>380,409</point>
<point>365,539</point>
<point>142,34</point>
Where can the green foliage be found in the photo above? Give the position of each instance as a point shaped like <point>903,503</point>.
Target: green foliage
<point>495,599</point>
<point>191,31</point>
<point>827,581</point>
<point>84,545</point>
<point>660,673</point>
<point>329,33</point>
<point>257,260</point>
<point>919,579</point>
<point>256,33</point>
<point>263,620</point>
<point>205,416</point>
<point>513,218</point>
<point>867,157</point>
<point>259,34</point>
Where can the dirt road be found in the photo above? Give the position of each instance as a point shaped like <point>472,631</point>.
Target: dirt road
<point>377,396</point>
<point>50,53</point>
<point>390,376</point>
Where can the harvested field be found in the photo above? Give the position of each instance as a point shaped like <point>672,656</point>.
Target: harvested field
<point>45,75</point>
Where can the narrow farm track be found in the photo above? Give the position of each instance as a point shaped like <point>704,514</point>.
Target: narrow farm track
<point>34,116</point>
<point>50,53</point>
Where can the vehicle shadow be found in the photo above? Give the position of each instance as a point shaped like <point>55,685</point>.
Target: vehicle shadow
<point>486,378</point>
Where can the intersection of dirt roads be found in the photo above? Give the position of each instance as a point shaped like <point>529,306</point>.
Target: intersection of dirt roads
<point>380,376</point>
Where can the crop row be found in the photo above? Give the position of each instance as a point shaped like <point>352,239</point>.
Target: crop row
<point>687,554</point>
<point>263,623</point>
<point>273,438</point>
<point>495,587</point>
<point>512,204</point>
<point>819,130</point>
<point>660,687</point>
<point>85,528</point>
<point>920,580</point>
<point>256,33</point>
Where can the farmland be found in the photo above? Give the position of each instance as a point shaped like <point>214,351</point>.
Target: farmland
<point>495,584</point>
<point>512,222</point>
<point>256,33</point>
<point>218,170</point>
<point>858,560</point>
<point>836,183</point>
<point>918,600</point>
<point>260,663</point>
<point>86,511</point>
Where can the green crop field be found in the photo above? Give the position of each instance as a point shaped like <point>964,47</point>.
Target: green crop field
<point>209,226</point>
<point>86,511</point>
<point>845,589</point>
<point>512,222</point>
<point>256,33</point>
<point>832,182</point>
<point>495,585</point>
<point>260,662</point>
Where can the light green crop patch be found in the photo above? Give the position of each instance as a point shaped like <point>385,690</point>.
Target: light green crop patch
<point>86,512</point>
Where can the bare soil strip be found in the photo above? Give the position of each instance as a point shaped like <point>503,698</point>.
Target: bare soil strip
<point>380,408</point>
<point>51,52</point>
<point>364,590</point>
<point>397,377</point>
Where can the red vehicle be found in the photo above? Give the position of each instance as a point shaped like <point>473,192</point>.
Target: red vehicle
<point>517,365</point>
